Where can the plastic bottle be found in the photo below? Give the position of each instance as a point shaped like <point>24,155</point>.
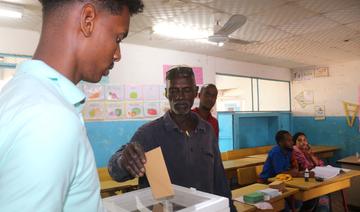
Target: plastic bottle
<point>306,175</point>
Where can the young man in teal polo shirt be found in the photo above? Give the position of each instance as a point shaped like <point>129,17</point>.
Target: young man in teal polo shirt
<point>46,161</point>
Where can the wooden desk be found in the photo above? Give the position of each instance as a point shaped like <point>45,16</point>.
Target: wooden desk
<point>324,152</point>
<point>351,160</point>
<point>353,192</point>
<point>313,189</point>
<point>260,156</point>
<point>278,203</point>
<point>230,166</point>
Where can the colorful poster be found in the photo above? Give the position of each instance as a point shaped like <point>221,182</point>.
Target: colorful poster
<point>93,91</point>
<point>134,110</point>
<point>114,92</point>
<point>114,110</point>
<point>359,104</point>
<point>319,112</point>
<point>198,72</point>
<point>94,111</point>
<point>151,109</point>
<point>133,92</point>
<point>151,92</point>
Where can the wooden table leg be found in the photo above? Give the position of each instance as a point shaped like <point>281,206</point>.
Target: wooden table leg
<point>293,209</point>
<point>344,201</point>
<point>330,205</point>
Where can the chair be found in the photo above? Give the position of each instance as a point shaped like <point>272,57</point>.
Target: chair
<point>248,175</point>
<point>224,156</point>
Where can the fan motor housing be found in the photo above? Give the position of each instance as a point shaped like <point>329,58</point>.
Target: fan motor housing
<point>218,38</point>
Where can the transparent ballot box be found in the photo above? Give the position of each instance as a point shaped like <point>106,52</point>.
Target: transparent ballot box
<point>184,200</point>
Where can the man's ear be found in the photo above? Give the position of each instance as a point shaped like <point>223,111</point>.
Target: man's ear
<point>166,93</point>
<point>87,19</point>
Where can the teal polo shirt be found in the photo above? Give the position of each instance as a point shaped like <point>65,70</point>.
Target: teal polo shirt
<point>46,161</point>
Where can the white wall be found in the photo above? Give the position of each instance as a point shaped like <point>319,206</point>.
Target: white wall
<point>143,65</point>
<point>17,41</point>
<point>342,85</point>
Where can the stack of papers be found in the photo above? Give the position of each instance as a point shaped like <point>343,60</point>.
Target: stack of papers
<point>327,172</point>
<point>270,193</point>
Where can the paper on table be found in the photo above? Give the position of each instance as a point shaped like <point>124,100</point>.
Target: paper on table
<point>157,174</point>
<point>327,172</point>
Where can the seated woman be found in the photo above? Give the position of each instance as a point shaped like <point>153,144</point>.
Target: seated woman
<point>307,160</point>
<point>303,153</point>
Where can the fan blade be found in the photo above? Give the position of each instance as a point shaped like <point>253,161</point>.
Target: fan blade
<point>238,41</point>
<point>234,23</point>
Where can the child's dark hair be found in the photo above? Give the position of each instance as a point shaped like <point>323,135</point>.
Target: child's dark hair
<point>280,135</point>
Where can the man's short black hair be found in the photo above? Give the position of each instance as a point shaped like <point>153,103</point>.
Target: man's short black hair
<point>180,72</point>
<point>295,137</point>
<point>113,6</point>
<point>207,86</point>
<point>280,135</point>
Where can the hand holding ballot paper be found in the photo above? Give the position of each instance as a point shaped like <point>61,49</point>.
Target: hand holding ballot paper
<point>157,174</point>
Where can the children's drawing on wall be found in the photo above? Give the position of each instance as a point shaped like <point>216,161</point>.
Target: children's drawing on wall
<point>305,98</point>
<point>151,92</point>
<point>151,109</point>
<point>133,92</point>
<point>319,112</point>
<point>94,111</point>
<point>93,91</point>
<point>114,110</point>
<point>351,110</point>
<point>135,110</point>
<point>114,92</point>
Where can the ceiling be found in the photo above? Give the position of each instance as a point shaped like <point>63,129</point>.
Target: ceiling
<point>289,33</point>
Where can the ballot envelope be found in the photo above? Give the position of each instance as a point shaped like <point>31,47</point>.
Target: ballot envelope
<point>184,200</point>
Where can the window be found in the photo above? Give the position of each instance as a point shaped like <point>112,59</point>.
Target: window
<point>248,94</point>
<point>234,93</point>
<point>274,95</point>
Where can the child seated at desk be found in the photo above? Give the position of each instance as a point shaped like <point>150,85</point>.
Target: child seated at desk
<point>307,160</point>
<point>303,153</point>
<point>280,160</point>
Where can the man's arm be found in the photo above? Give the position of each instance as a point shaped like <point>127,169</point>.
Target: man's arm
<point>279,169</point>
<point>128,162</point>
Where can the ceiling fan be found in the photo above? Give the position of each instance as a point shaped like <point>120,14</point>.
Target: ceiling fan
<point>222,35</point>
